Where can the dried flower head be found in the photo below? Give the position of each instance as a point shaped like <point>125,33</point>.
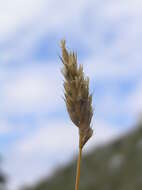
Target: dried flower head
<point>77,97</point>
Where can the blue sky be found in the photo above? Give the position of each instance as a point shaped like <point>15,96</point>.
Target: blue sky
<point>35,131</point>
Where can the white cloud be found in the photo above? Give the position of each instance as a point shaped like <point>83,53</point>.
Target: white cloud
<point>4,127</point>
<point>51,137</point>
<point>14,15</point>
<point>45,17</point>
<point>24,23</point>
<point>134,100</point>
<point>19,15</point>
<point>33,89</point>
<point>122,8</point>
<point>106,68</point>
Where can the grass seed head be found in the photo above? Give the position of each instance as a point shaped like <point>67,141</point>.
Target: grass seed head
<point>76,91</point>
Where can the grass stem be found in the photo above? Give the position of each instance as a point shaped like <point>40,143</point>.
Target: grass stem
<point>78,169</point>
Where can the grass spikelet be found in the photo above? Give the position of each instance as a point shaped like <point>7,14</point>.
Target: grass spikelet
<point>77,98</point>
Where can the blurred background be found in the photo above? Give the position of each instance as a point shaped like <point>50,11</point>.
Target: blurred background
<point>36,134</point>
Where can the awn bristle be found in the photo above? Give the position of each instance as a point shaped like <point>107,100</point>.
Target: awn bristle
<point>77,97</point>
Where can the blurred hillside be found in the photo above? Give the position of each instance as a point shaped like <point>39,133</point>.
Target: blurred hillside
<point>114,166</point>
<point>2,179</point>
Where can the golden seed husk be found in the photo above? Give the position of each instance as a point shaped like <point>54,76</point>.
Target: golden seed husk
<point>76,91</point>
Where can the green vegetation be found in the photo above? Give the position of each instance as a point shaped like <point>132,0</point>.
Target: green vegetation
<point>116,166</point>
